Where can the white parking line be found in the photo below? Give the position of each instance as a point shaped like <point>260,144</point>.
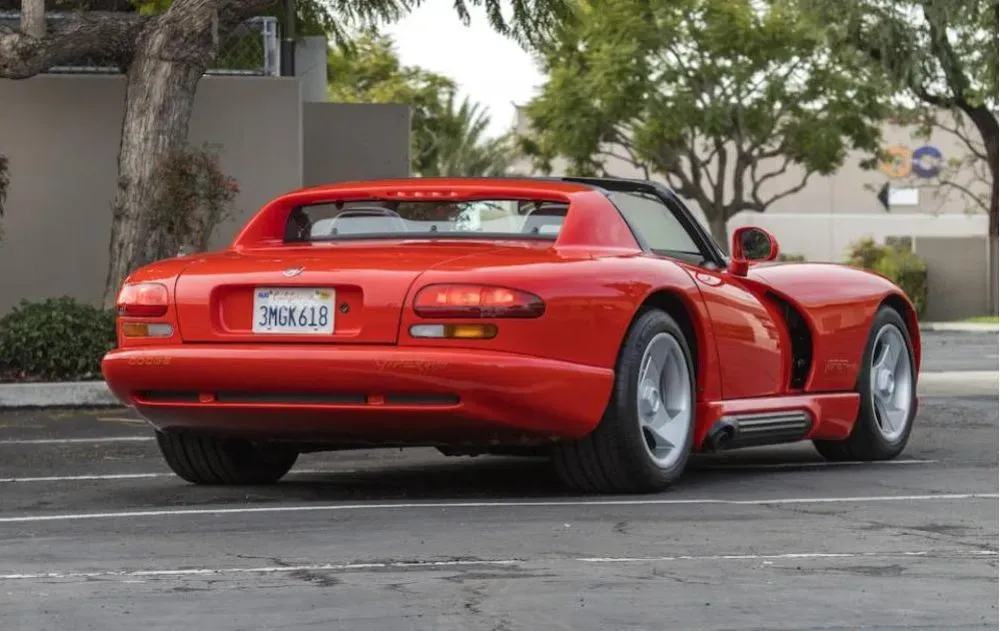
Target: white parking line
<point>141,476</point>
<point>765,559</point>
<point>372,506</point>
<point>72,441</point>
<point>738,466</point>
<point>721,467</point>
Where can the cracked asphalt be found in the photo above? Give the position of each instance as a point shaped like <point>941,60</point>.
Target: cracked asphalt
<point>95,533</point>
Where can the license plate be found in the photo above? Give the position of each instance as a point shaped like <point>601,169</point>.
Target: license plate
<point>293,310</point>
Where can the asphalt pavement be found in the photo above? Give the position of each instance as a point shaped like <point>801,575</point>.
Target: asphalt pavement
<point>95,533</point>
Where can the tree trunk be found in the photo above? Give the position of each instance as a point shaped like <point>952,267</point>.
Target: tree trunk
<point>717,226</point>
<point>173,54</point>
<point>989,129</point>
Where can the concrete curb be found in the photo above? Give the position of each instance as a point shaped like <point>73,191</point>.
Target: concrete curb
<point>53,395</point>
<point>959,327</point>
<point>82,394</point>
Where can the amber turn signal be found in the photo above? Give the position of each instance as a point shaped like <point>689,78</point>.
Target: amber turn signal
<point>146,329</point>
<point>455,331</point>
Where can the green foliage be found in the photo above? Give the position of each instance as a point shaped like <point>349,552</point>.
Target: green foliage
<point>703,91</point>
<point>523,20</point>
<point>792,258</point>
<point>458,146</point>
<point>898,264</point>
<point>58,339</point>
<point>447,137</point>
<point>941,51</point>
<point>944,54</point>
<point>864,253</point>
<point>193,196</point>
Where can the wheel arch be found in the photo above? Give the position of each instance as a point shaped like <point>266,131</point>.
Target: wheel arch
<point>682,308</point>
<point>902,305</point>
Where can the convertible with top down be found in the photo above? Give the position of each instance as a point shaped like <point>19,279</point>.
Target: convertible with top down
<point>592,321</point>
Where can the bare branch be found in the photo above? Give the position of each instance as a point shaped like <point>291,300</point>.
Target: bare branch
<point>760,205</point>
<point>106,35</point>
<point>980,200</point>
<point>975,148</point>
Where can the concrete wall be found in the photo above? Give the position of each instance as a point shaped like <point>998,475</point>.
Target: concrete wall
<point>62,132</point>
<point>957,286</point>
<point>310,67</point>
<point>351,141</point>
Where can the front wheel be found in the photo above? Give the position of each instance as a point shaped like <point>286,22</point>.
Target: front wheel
<point>211,460</point>
<point>887,383</point>
<point>643,442</point>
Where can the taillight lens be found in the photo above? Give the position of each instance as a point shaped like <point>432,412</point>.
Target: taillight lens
<point>476,301</point>
<point>143,300</point>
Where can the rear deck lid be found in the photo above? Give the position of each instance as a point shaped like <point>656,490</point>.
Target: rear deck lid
<point>341,293</point>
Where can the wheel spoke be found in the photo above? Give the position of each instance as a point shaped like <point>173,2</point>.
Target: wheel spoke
<point>664,399</point>
<point>891,382</point>
<point>885,416</point>
<point>664,429</point>
<point>893,349</point>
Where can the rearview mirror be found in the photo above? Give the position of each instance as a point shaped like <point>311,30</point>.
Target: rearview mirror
<point>751,244</point>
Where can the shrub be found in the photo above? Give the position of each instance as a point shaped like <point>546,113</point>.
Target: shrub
<point>897,263</point>
<point>865,253</point>
<point>907,270</point>
<point>58,339</point>
<point>194,195</point>
<point>792,258</point>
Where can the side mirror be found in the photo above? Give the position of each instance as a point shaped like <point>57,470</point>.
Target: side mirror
<point>751,244</point>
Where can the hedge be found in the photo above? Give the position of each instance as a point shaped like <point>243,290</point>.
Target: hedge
<point>897,263</point>
<point>58,339</point>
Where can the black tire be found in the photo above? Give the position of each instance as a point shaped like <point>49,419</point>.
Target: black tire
<point>866,442</point>
<point>613,458</point>
<point>224,461</point>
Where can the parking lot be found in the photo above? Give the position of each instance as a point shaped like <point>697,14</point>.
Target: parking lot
<point>95,533</point>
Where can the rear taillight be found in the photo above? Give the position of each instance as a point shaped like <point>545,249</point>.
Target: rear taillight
<point>476,301</point>
<point>143,300</point>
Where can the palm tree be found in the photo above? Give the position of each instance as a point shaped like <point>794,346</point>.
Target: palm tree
<point>458,145</point>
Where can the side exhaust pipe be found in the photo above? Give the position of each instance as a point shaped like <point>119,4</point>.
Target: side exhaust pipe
<point>720,435</point>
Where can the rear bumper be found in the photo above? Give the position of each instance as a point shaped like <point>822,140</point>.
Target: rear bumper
<point>364,394</point>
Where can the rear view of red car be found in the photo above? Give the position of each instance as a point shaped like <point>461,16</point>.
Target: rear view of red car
<point>592,321</point>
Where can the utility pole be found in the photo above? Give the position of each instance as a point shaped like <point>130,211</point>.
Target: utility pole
<point>288,40</point>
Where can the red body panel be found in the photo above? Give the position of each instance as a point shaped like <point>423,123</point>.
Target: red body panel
<point>360,392</point>
<point>838,303</point>
<point>538,379</point>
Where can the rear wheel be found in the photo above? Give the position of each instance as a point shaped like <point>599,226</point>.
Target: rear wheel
<point>887,385</point>
<point>643,442</point>
<point>225,461</point>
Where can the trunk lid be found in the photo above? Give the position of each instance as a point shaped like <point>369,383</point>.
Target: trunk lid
<point>339,293</point>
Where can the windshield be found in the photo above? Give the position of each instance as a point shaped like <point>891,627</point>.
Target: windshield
<point>390,219</point>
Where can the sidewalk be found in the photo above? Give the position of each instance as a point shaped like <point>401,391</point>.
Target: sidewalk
<point>963,327</point>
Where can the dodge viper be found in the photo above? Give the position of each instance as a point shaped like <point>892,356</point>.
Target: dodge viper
<point>592,321</point>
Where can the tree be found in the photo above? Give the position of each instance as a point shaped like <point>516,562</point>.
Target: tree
<point>4,185</point>
<point>719,97</point>
<point>446,138</point>
<point>164,50</point>
<point>944,54</point>
<point>459,146</point>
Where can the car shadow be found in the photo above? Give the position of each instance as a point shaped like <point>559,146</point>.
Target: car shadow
<point>484,478</point>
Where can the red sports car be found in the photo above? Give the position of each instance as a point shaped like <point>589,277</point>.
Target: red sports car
<point>589,320</point>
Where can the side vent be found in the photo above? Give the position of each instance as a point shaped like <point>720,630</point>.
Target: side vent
<point>802,343</point>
